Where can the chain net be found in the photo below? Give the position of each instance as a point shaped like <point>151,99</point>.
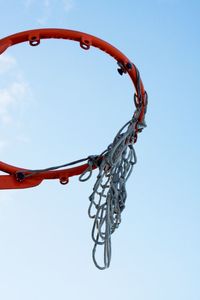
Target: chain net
<point>108,198</point>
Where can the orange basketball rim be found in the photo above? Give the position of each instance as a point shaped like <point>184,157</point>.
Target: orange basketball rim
<point>17,177</point>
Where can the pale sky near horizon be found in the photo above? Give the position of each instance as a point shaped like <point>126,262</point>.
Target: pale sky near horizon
<point>59,103</point>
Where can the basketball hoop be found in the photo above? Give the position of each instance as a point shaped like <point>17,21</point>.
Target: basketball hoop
<point>115,163</point>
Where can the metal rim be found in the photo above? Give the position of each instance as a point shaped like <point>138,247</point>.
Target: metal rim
<point>34,37</point>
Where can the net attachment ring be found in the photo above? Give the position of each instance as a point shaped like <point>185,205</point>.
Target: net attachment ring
<point>123,68</point>
<point>64,180</point>
<point>85,43</point>
<point>34,40</point>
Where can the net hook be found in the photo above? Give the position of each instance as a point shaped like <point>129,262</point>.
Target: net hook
<point>34,40</point>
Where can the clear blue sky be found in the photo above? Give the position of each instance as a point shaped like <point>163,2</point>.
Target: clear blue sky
<point>59,103</point>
